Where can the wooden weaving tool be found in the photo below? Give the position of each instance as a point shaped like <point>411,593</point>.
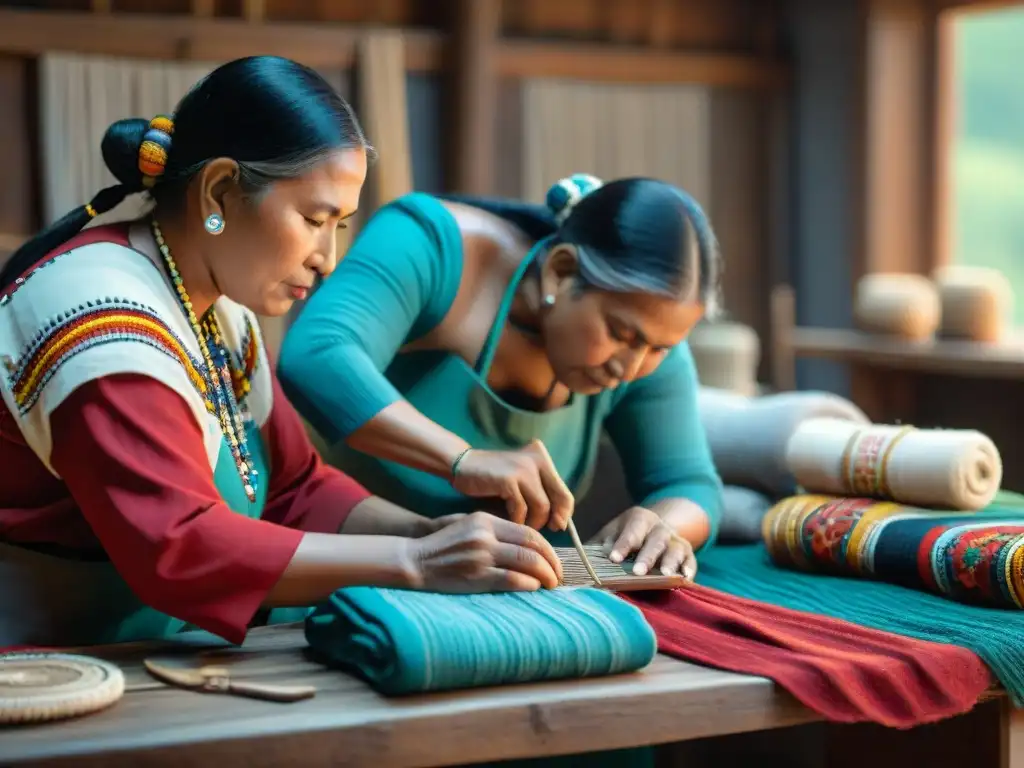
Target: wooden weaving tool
<point>586,565</point>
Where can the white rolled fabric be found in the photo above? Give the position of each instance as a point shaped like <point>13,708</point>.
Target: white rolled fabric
<point>957,469</point>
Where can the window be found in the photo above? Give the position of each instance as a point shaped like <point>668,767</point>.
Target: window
<point>986,204</point>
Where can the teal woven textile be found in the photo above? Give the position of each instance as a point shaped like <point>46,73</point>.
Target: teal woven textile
<point>403,642</point>
<point>995,634</point>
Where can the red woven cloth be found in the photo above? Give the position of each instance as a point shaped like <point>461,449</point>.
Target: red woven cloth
<point>844,672</point>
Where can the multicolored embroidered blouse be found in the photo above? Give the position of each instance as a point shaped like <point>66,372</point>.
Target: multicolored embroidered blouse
<point>109,447</point>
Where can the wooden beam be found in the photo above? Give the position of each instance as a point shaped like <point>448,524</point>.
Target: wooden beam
<point>474,83</point>
<point>973,5</point>
<point>203,9</point>
<point>622,64</point>
<point>145,36</point>
<point>253,11</point>
<point>899,137</point>
<point>660,23</point>
<point>947,113</point>
<point>101,6</point>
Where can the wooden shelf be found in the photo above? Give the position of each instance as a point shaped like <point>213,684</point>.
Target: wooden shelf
<point>954,358</point>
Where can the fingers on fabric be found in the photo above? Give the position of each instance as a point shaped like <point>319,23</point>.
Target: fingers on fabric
<point>656,547</point>
<point>488,545</point>
<point>523,561</point>
<point>528,539</point>
<point>632,537</point>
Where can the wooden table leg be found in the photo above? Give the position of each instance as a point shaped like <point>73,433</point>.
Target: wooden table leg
<point>1012,737</point>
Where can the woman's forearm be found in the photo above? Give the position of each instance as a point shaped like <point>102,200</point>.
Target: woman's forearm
<point>325,562</point>
<point>686,518</point>
<point>402,434</point>
<point>378,517</point>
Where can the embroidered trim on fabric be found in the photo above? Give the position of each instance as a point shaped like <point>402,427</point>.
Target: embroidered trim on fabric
<point>92,324</point>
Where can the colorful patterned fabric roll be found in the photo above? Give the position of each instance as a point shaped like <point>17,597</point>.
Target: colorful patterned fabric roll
<point>970,557</point>
<point>404,642</point>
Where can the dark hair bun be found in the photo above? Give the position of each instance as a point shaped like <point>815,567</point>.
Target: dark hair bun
<point>120,149</point>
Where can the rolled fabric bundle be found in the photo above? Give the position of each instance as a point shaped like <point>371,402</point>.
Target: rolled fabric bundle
<point>957,469</point>
<point>748,435</point>
<point>976,303</point>
<point>404,642</point>
<point>902,305</point>
<point>726,355</point>
<point>969,557</point>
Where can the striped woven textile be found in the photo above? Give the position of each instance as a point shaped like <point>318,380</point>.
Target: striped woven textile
<point>404,642</point>
<point>969,557</point>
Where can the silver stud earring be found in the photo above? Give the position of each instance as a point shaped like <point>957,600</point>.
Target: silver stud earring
<point>549,300</point>
<point>214,224</point>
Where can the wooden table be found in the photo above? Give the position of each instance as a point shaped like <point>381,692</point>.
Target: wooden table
<point>347,724</point>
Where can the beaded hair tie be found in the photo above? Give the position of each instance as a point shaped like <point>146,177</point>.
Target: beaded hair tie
<point>154,148</point>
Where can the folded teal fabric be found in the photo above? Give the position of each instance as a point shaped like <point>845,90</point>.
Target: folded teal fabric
<point>404,642</point>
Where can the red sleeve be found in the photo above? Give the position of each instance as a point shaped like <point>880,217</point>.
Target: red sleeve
<point>304,492</point>
<point>132,456</point>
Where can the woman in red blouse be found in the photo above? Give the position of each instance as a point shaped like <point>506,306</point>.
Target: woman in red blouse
<point>153,474</point>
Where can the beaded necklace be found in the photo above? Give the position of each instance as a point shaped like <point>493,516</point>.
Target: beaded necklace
<point>222,402</point>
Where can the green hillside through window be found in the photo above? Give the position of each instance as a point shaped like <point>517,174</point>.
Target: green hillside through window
<point>988,166</point>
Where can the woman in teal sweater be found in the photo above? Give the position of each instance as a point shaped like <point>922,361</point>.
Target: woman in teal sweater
<point>470,352</point>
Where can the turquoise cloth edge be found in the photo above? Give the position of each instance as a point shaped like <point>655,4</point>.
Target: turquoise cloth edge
<point>404,642</point>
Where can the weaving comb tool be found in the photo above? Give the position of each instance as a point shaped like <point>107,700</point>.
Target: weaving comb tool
<point>218,680</point>
<point>586,565</point>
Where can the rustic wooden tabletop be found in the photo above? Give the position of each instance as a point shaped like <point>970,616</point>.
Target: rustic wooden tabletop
<point>347,724</point>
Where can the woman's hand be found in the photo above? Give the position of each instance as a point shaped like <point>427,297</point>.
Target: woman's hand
<point>640,530</point>
<point>525,479</point>
<point>483,553</point>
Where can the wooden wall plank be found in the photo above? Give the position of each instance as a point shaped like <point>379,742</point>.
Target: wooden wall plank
<point>474,84</point>
<point>736,207</point>
<point>17,150</point>
<point>899,135</point>
<point>508,147</point>
<point>946,110</point>
<point>254,11</point>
